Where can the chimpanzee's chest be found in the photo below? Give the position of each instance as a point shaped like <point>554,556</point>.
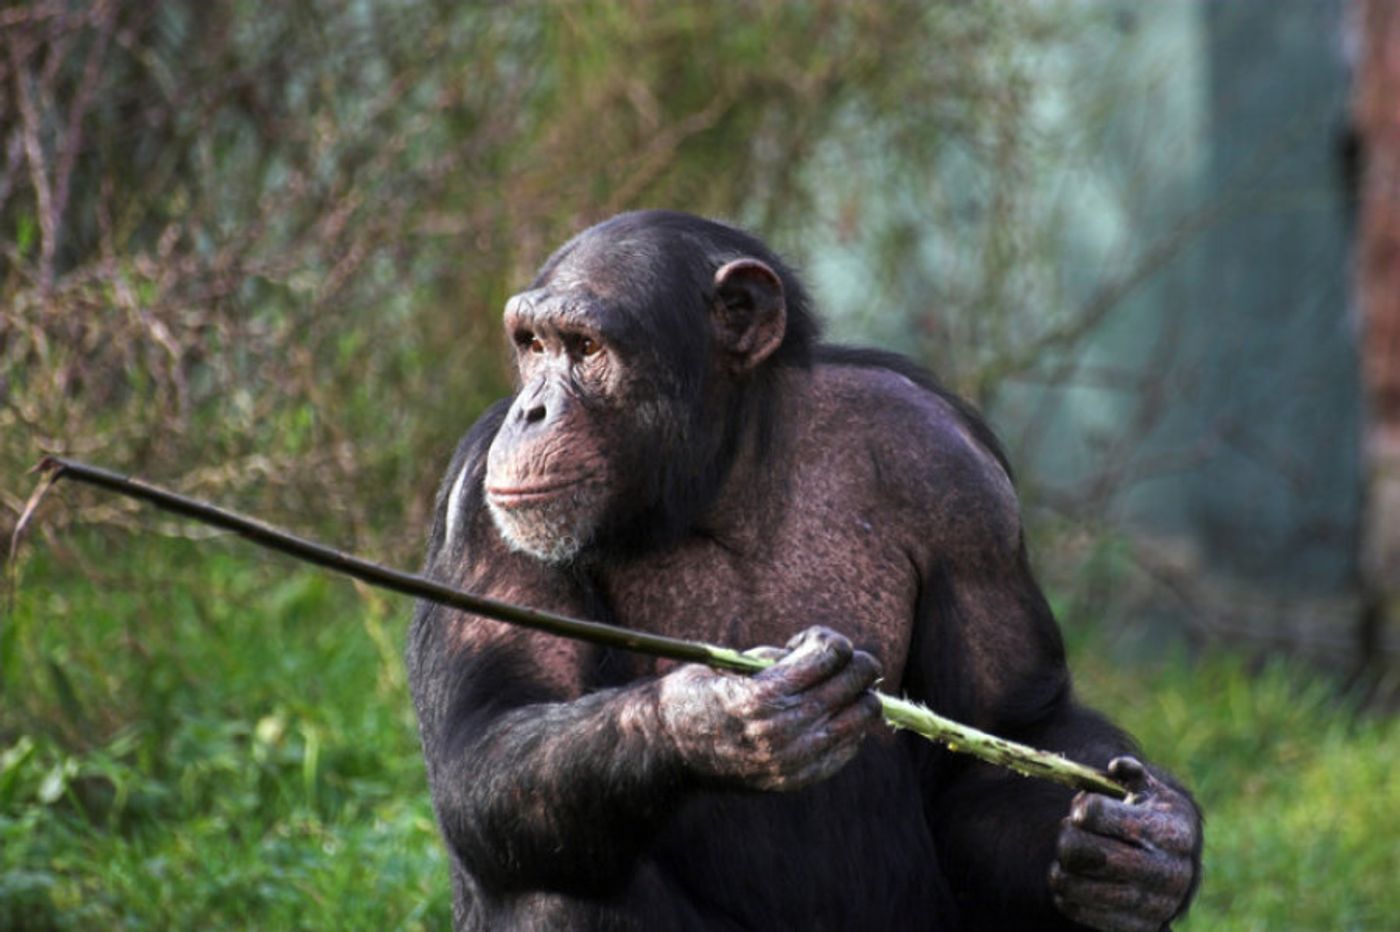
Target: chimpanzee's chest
<point>763,587</point>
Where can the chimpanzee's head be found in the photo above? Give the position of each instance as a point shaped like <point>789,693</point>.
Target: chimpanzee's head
<point>642,348</point>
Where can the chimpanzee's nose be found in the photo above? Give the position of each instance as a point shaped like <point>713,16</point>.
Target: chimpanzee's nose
<point>534,414</point>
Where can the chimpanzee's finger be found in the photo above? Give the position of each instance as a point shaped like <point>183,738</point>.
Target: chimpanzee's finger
<point>1130,772</point>
<point>789,716</point>
<point>1082,854</point>
<point>856,720</point>
<point>1152,823</point>
<point>814,633</point>
<point>815,655</point>
<point>830,746</point>
<point>819,634</point>
<point>846,685</point>
<point>1110,905</point>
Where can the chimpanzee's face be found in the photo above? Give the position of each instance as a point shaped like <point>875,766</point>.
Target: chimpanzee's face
<point>630,348</point>
<point>596,414</point>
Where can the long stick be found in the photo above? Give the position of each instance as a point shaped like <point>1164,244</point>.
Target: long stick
<point>899,713</point>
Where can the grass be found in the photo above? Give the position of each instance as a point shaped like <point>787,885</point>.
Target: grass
<point>1299,790</point>
<point>195,736</point>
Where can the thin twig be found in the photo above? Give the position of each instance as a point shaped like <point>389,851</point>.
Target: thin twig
<point>106,17</point>
<point>899,713</point>
<point>34,155</point>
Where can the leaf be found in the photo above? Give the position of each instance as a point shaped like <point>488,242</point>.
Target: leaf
<point>55,782</point>
<point>12,765</point>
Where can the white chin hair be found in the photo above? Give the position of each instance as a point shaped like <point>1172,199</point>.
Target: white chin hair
<point>553,532</point>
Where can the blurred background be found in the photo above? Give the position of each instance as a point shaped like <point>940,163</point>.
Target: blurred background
<point>258,252</point>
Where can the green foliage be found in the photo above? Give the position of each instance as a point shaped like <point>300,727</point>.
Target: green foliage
<point>1298,788</point>
<point>289,229</point>
<point>192,739</point>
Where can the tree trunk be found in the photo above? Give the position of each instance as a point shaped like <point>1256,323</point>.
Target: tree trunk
<point>1377,116</point>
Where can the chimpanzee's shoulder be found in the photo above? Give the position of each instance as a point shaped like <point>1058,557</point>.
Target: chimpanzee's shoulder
<point>931,452</point>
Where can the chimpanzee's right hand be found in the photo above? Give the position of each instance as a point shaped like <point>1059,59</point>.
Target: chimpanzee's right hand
<point>793,724</point>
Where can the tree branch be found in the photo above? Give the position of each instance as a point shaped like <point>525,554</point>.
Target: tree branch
<point>899,713</point>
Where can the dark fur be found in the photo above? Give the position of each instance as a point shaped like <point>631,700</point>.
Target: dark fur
<point>561,806</point>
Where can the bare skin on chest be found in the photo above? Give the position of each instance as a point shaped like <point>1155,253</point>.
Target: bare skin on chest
<point>818,550</point>
<point>753,592</point>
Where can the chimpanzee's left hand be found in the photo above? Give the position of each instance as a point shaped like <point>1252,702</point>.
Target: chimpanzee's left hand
<point>1127,866</point>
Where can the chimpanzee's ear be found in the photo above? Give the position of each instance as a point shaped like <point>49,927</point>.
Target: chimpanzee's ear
<point>750,312</point>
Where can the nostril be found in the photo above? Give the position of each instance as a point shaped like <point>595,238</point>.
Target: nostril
<point>534,415</point>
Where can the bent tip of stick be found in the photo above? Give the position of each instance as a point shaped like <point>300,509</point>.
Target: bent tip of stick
<point>49,469</point>
<point>50,464</point>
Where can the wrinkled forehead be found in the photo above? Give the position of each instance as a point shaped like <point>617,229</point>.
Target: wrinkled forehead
<point>594,284</point>
<point>623,271</point>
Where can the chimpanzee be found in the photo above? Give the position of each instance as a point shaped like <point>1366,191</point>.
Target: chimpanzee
<point>683,456</point>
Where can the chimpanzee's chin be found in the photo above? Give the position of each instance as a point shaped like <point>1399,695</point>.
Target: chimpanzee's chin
<point>551,532</point>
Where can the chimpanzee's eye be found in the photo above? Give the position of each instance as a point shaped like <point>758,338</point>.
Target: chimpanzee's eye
<point>589,346</point>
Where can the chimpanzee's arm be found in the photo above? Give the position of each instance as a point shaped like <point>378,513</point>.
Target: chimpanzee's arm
<point>537,792</point>
<point>536,784</point>
<point>990,653</point>
<point>535,789</point>
<point>985,649</point>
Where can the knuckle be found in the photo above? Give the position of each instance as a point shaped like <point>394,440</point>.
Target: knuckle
<point>800,638</point>
<point>757,730</point>
<point>732,704</point>
<point>840,645</point>
<point>760,743</point>
<point>1079,809</point>
<point>826,639</point>
<point>697,673</point>
<point>866,660</point>
<point>750,697</point>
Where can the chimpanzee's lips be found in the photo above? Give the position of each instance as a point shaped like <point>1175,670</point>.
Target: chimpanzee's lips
<point>509,496</point>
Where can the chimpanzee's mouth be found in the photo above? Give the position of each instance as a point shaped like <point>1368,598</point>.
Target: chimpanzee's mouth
<point>515,496</point>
